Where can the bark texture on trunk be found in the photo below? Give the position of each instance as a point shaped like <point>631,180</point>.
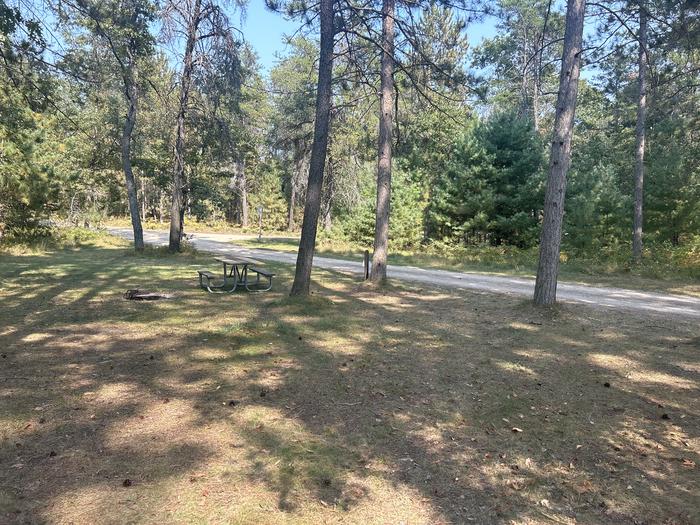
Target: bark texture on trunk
<point>640,133</point>
<point>560,156</point>
<point>307,242</point>
<point>178,199</point>
<point>131,93</point>
<point>386,122</point>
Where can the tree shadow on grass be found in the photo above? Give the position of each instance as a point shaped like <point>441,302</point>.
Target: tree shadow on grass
<point>374,406</point>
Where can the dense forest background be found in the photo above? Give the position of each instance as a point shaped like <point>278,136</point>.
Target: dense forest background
<point>471,127</point>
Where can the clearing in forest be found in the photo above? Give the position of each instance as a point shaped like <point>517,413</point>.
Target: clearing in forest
<point>413,405</point>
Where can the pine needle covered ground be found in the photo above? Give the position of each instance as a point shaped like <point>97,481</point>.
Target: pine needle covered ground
<point>410,405</point>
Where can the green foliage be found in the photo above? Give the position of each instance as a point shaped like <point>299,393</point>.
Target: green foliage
<point>463,182</point>
<point>673,182</point>
<point>491,190</point>
<point>27,186</point>
<point>267,192</point>
<point>407,208</point>
<point>596,210</point>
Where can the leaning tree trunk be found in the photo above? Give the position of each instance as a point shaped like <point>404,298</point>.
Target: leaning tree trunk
<point>640,133</point>
<point>307,243</point>
<point>131,93</point>
<point>560,156</point>
<point>386,109</point>
<point>178,201</point>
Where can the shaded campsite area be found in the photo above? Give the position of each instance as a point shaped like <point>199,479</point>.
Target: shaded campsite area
<point>416,405</point>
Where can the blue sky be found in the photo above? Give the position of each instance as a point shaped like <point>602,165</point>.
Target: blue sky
<point>265,31</point>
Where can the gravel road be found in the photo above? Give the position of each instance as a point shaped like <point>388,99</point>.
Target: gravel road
<point>677,305</point>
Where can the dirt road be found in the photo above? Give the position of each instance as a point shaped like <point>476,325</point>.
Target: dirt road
<point>221,243</point>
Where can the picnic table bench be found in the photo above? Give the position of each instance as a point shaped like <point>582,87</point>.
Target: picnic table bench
<point>235,274</point>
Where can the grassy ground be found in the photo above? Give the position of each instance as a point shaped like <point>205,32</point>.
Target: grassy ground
<point>406,406</point>
<point>668,279</point>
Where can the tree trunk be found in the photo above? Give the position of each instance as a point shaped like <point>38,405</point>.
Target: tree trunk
<point>386,108</point>
<point>328,218</point>
<point>329,186</point>
<point>329,190</point>
<point>131,93</point>
<point>536,99</point>
<point>537,68</point>
<point>640,133</point>
<point>296,176</point>
<point>292,204</point>
<point>560,156</point>
<point>178,199</point>
<point>143,198</point>
<point>307,243</point>
<point>243,193</point>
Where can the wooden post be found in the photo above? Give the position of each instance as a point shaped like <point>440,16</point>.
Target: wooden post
<point>366,265</point>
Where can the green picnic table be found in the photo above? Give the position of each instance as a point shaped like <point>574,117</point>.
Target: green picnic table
<point>236,272</point>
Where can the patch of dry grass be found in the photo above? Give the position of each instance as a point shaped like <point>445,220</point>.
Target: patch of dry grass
<point>353,406</point>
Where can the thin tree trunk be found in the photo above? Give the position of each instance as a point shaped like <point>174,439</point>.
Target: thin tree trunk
<point>536,100</point>
<point>143,198</point>
<point>538,71</point>
<point>328,218</point>
<point>640,133</point>
<point>525,106</point>
<point>178,199</point>
<point>131,93</point>
<point>243,193</point>
<point>296,176</point>
<point>560,156</point>
<point>71,210</point>
<point>329,190</point>
<point>292,204</point>
<point>329,184</point>
<point>386,108</point>
<point>307,242</point>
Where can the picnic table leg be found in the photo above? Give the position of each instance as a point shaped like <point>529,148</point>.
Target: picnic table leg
<point>244,275</point>
<point>256,284</point>
<point>232,273</point>
<point>220,288</point>
<point>214,289</point>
